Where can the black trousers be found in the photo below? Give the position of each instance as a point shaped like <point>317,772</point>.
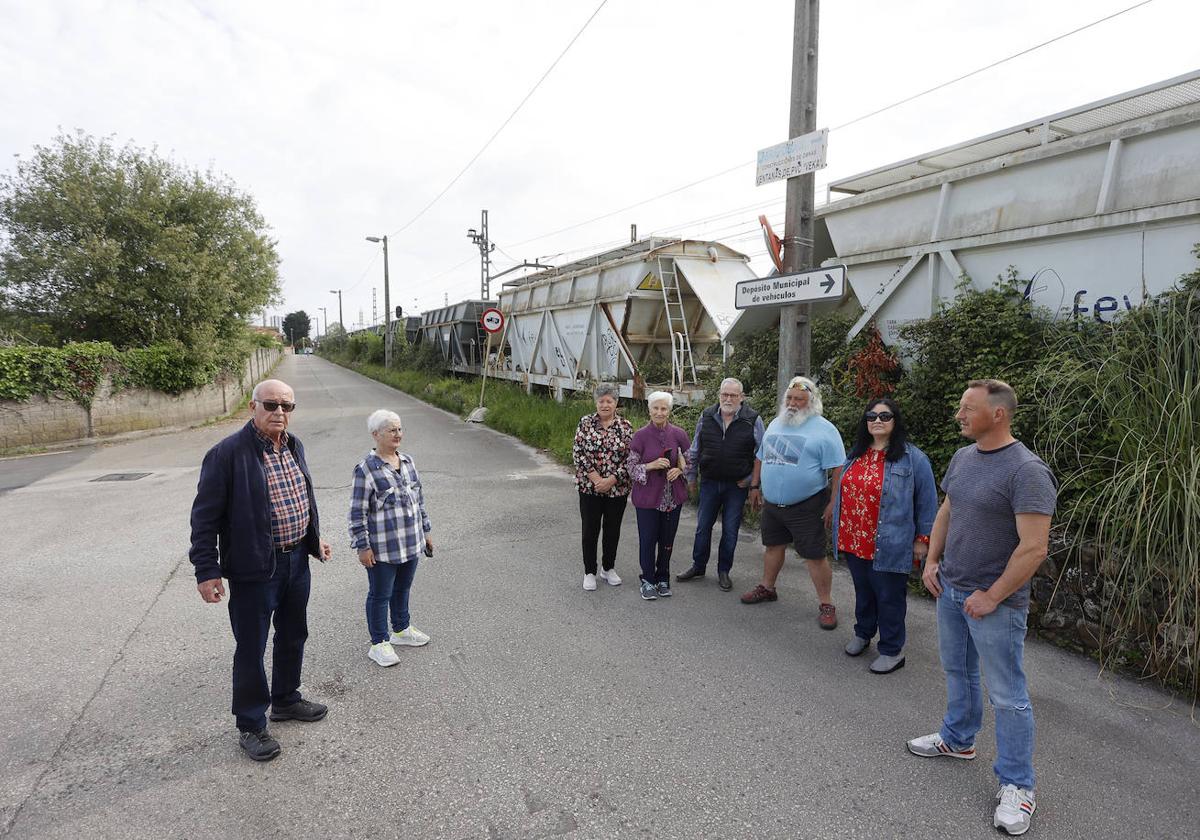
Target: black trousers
<point>252,605</point>
<point>601,514</point>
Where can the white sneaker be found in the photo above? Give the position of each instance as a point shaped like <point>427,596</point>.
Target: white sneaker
<point>611,576</point>
<point>1015,809</point>
<point>589,583</point>
<point>410,636</point>
<point>383,654</point>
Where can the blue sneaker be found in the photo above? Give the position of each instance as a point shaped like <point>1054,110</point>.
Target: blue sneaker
<point>664,589</point>
<point>649,591</point>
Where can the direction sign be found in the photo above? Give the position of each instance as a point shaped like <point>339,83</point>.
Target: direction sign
<point>492,320</point>
<point>798,156</point>
<point>814,284</point>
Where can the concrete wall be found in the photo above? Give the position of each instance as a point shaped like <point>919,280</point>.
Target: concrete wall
<point>46,420</point>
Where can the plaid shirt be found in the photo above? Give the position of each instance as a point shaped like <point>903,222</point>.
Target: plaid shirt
<point>387,510</point>
<point>287,491</point>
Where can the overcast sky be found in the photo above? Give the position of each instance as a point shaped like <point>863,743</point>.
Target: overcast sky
<point>345,119</point>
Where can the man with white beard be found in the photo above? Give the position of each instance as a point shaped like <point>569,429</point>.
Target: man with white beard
<point>793,487</point>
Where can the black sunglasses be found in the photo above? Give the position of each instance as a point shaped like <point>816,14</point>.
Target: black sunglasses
<point>885,416</point>
<point>272,405</point>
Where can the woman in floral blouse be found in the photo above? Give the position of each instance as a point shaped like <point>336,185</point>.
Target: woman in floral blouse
<point>883,514</point>
<point>657,461</point>
<point>600,451</point>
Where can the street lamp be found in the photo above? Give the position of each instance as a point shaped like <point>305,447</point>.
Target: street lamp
<point>341,323</point>
<point>324,320</point>
<point>387,304</point>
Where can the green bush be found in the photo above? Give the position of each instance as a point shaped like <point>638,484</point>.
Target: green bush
<point>76,370</point>
<point>1120,424</point>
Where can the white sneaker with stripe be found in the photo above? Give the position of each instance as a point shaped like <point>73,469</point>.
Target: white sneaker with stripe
<point>1015,809</point>
<point>931,746</point>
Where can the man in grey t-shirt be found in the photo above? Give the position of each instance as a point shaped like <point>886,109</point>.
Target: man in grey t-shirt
<point>990,536</point>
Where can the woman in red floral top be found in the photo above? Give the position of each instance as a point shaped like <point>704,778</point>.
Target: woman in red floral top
<point>600,453</point>
<point>883,514</point>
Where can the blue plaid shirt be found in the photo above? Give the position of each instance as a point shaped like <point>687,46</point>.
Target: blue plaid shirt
<point>387,510</point>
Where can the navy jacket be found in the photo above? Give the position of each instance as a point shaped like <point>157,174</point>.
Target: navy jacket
<point>231,517</point>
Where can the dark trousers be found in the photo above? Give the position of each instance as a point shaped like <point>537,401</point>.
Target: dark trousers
<point>251,608</point>
<point>880,603</point>
<point>656,533</point>
<point>388,585</point>
<point>601,514</point>
<point>728,500</point>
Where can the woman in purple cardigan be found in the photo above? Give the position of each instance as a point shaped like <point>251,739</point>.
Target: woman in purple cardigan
<point>657,461</point>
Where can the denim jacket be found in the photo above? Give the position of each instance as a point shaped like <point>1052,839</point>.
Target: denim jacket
<point>907,507</point>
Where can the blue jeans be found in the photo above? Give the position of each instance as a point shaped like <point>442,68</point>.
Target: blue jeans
<point>388,585</point>
<point>880,603</point>
<point>997,641</point>
<point>252,605</point>
<point>656,536</point>
<point>726,498</point>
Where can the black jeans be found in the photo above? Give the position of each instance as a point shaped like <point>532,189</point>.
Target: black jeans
<point>601,514</point>
<point>656,539</point>
<point>251,607</point>
<point>880,603</point>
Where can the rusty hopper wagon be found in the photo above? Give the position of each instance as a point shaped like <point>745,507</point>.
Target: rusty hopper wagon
<point>656,305</point>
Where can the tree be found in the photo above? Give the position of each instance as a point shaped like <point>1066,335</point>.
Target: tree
<point>124,246</point>
<point>296,325</point>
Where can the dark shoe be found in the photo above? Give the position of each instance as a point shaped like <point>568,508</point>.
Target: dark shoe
<point>691,574</point>
<point>724,582</point>
<point>305,710</point>
<point>664,589</point>
<point>759,594</point>
<point>260,746</point>
<point>649,591</point>
<point>827,618</point>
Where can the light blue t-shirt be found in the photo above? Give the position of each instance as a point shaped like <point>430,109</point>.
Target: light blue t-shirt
<point>795,458</point>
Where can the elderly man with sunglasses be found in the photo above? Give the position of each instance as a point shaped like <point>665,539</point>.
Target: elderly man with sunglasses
<point>254,521</point>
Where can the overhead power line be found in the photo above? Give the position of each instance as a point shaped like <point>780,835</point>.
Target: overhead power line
<point>858,119</point>
<point>503,125</point>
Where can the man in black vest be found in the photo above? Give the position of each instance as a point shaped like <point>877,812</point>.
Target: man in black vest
<point>723,448</point>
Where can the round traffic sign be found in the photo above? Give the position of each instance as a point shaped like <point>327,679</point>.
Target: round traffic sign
<point>492,320</point>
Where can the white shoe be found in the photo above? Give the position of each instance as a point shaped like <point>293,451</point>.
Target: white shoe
<point>383,654</point>
<point>1015,810</point>
<point>410,636</point>
<point>589,583</point>
<point>611,576</point>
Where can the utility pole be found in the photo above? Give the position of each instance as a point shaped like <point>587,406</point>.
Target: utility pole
<point>324,320</point>
<point>480,238</point>
<point>338,292</point>
<point>387,304</point>
<point>795,329</point>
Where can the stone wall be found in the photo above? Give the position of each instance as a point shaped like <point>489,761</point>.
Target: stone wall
<point>46,420</point>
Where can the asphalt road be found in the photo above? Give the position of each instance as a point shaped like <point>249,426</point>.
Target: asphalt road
<point>539,710</point>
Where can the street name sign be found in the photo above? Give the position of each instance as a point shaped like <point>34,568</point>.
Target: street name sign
<point>814,284</point>
<point>797,156</point>
<point>492,320</point>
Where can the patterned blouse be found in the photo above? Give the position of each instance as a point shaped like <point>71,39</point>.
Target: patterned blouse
<point>862,490</point>
<point>603,450</point>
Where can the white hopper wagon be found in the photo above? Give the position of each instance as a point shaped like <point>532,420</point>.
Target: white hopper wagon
<point>1095,208</point>
<point>654,303</point>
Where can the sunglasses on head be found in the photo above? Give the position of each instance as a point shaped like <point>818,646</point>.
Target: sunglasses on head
<point>883,416</point>
<point>272,405</point>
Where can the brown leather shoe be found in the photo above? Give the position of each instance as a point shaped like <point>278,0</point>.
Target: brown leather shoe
<point>827,618</point>
<point>759,594</point>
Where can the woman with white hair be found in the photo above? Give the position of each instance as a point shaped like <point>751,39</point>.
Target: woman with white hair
<point>389,528</point>
<point>657,461</point>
